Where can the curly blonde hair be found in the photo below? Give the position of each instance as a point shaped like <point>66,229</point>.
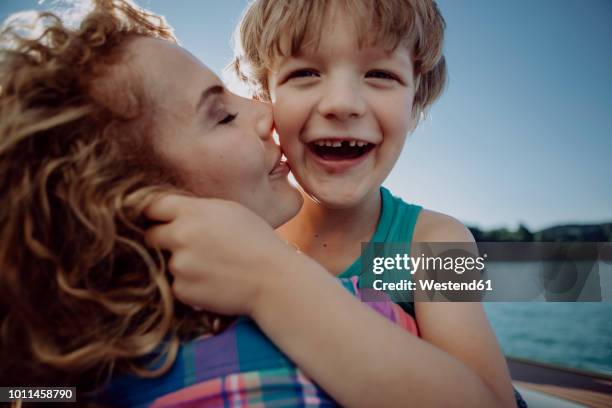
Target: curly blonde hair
<point>267,25</point>
<point>81,295</point>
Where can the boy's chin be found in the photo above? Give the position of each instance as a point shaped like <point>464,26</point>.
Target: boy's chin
<point>340,199</point>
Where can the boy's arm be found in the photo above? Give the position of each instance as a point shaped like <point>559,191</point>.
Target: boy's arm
<point>461,329</point>
<point>358,357</point>
<point>227,260</point>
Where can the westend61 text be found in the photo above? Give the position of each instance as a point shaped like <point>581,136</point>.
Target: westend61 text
<point>404,285</point>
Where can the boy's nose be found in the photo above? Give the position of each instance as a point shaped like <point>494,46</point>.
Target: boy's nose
<point>342,100</point>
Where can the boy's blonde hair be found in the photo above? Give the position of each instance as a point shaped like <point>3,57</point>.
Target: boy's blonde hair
<point>267,25</point>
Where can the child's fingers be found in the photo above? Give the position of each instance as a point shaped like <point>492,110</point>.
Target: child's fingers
<point>190,294</point>
<point>164,207</point>
<point>160,236</point>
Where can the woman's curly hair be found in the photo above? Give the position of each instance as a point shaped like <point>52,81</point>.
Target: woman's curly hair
<point>81,295</point>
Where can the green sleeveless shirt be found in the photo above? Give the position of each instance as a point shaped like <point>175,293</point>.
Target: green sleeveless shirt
<point>396,224</point>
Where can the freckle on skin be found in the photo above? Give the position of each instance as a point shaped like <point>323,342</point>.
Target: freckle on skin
<point>324,245</point>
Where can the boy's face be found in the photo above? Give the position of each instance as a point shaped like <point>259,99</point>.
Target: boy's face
<point>342,113</point>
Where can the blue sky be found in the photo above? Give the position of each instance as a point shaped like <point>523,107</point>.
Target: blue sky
<point>523,132</point>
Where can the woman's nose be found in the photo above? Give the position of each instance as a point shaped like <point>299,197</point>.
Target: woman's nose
<point>341,100</point>
<point>264,122</point>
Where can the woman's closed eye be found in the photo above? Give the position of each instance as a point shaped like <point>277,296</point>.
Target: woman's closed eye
<point>227,119</point>
<point>219,114</point>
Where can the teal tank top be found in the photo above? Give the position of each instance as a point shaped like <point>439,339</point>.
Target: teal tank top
<point>396,224</point>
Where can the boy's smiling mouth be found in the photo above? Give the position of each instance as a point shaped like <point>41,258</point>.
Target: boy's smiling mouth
<point>336,155</point>
<point>340,149</point>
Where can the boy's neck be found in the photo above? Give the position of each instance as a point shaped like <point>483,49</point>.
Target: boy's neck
<point>331,236</point>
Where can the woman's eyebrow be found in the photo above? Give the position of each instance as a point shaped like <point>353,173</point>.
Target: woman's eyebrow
<point>212,91</point>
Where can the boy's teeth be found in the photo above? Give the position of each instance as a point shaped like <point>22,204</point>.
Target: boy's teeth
<point>338,143</point>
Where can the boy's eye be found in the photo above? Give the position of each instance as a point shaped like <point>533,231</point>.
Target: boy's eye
<point>303,73</point>
<point>227,119</point>
<point>382,75</point>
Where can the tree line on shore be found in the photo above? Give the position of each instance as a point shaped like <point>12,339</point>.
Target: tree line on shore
<point>560,233</point>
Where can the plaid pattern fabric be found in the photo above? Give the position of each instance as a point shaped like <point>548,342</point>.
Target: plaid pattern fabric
<point>239,367</point>
<point>385,307</point>
<point>284,387</point>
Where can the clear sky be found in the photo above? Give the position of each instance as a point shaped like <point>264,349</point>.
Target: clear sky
<point>523,132</point>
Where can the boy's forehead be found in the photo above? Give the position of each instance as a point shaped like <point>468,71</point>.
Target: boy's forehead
<point>319,33</point>
<point>316,47</point>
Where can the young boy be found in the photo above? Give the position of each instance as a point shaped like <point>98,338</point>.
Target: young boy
<point>349,80</point>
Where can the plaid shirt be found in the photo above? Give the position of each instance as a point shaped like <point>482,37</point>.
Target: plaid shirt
<point>239,367</point>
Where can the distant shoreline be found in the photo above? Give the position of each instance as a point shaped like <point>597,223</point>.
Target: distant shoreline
<point>561,233</point>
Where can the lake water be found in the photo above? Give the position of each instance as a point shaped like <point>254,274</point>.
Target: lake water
<point>577,335</point>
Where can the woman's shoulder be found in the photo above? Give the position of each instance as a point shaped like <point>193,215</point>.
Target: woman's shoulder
<point>433,226</point>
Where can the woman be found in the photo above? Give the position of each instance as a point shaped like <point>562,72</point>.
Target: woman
<point>81,293</point>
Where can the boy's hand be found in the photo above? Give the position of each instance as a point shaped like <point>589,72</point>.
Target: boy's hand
<point>223,255</point>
